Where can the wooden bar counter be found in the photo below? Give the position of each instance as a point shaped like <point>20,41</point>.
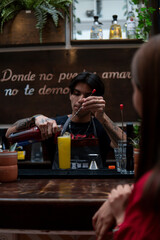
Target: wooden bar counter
<point>53,204</point>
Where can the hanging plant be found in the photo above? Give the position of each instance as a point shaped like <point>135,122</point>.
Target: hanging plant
<point>144,15</point>
<point>41,8</point>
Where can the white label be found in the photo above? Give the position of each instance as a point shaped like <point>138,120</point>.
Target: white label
<point>131,25</point>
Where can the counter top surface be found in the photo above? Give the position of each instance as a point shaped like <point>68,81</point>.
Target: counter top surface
<point>59,189</point>
<point>53,204</point>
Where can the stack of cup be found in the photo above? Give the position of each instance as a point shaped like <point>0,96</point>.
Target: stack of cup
<point>117,158</point>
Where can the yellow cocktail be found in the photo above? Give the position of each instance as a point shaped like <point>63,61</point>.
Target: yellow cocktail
<point>64,151</point>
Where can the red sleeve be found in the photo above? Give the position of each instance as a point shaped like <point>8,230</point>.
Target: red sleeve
<point>137,224</point>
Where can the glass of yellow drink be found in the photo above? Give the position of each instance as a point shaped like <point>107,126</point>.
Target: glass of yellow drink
<point>64,151</point>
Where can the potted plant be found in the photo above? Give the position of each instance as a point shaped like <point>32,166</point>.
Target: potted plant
<point>8,166</point>
<point>144,14</point>
<point>42,9</point>
<point>136,139</point>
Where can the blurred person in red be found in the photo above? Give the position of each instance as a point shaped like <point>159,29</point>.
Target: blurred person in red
<point>135,210</point>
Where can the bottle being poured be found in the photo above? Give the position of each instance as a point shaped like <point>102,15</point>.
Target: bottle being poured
<point>28,136</point>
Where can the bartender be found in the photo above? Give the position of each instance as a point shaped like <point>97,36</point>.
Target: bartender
<point>87,120</point>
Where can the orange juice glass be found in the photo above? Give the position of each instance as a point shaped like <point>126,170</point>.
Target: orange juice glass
<point>64,151</point>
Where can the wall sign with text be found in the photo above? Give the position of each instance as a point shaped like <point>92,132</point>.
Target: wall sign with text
<point>33,82</point>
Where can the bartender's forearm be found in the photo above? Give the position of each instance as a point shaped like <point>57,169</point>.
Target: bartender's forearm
<point>21,124</point>
<point>114,132</point>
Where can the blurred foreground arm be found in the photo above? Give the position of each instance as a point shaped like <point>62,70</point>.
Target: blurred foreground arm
<point>112,211</point>
<point>103,221</point>
<point>118,199</point>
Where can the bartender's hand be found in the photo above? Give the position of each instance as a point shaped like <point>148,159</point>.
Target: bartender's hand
<point>94,104</point>
<point>46,125</point>
<point>118,199</point>
<point>103,221</point>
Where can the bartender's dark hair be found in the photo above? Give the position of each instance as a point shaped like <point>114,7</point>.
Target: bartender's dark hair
<point>93,80</point>
<point>146,76</point>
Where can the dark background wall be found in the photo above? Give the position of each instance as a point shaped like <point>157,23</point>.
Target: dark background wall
<point>34,82</point>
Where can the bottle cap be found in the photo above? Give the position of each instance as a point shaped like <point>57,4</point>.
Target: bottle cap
<point>96,18</point>
<point>115,17</point>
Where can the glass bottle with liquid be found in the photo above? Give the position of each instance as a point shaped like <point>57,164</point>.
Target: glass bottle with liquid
<point>115,29</point>
<point>131,24</point>
<point>29,136</point>
<point>96,29</point>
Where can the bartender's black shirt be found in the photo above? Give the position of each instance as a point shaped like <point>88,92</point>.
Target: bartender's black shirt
<point>82,130</point>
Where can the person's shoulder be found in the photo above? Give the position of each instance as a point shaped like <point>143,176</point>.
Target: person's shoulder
<point>139,186</point>
<point>61,119</point>
<point>140,183</point>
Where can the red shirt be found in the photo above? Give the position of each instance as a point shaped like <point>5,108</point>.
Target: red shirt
<point>138,225</point>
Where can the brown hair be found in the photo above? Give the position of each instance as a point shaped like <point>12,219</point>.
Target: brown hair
<point>93,81</point>
<point>146,75</point>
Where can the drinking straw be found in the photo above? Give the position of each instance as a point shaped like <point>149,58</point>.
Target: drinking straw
<point>121,108</point>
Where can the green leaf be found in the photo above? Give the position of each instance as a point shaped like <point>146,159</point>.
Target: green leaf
<point>5,3</point>
<point>7,15</point>
<point>27,4</point>
<point>135,1</point>
<point>37,3</point>
<point>51,11</point>
<point>78,20</point>
<point>41,17</point>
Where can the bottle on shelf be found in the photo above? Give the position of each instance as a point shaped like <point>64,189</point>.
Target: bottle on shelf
<point>131,23</point>
<point>96,29</point>
<point>124,30</point>
<point>115,29</point>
